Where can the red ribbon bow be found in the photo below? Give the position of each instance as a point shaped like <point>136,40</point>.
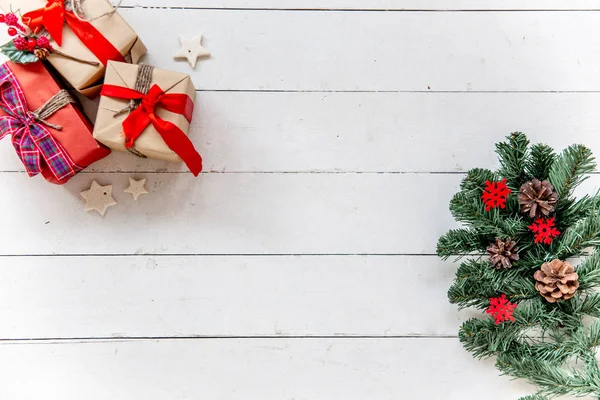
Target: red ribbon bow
<point>139,119</point>
<point>53,17</point>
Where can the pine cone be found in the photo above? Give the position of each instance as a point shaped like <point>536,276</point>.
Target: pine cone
<point>537,198</point>
<point>556,280</point>
<point>503,253</point>
<point>41,54</point>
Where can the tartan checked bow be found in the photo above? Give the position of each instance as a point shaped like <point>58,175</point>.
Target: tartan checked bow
<point>32,140</point>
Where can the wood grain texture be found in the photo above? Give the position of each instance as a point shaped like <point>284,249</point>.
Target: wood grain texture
<point>380,5</point>
<point>233,369</point>
<point>380,51</point>
<point>279,296</point>
<point>365,132</point>
<point>233,214</point>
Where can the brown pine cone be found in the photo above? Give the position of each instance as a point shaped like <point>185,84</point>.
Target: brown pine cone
<point>503,253</point>
<point>537,198</point>
<point>41,54</point>
<point>556,280</point>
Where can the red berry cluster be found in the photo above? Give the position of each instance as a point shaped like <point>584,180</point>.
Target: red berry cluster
<point>12,21</point>
<point>30,44</point>
<point>23,42</point>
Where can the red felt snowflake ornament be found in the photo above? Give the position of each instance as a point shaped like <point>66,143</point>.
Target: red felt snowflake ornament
<point>501,309</point>
<point>544,230</point>
<point>495,194</point>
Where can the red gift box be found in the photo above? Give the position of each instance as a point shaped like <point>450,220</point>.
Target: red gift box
<point>56,146</point>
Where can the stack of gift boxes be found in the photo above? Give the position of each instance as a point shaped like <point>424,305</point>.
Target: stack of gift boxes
<point>61,46</point>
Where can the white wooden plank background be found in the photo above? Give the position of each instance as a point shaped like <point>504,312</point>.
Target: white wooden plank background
<point>382,51</point>
<point>384,5</point>
<point>300,265</point>
<point>242,369</point>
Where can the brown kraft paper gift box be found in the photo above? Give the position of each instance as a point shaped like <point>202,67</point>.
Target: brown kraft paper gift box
<point>109,129</point>
<point>85,78</point>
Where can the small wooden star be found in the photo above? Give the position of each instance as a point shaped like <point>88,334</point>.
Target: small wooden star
<point>136,188</point>
<point>98,198</point>
<point>191,50</point>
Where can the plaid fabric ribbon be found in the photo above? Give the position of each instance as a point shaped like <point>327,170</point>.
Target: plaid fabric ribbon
<point>34,144</point>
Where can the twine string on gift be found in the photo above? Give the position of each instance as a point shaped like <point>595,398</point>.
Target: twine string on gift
<point>143,81</point>
<point>77,8</point>
<point>58,101</point>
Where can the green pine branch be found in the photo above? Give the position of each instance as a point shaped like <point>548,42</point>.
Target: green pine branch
<point>551,379</point>
<point>540,161</point>
<point>513,159</point>
<point>588,305</point>
<point>476,179</point>
<point>534,397</point>
<point>459,242</point>
<point>472,212</point>
<point>570,169</point>
<point>547,344</point>
<point>476,282</point>
<point>575,239</point>
<point>571,211</point>
<point>589,272</point>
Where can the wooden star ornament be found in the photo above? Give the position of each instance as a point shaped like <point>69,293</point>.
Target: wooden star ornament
<point>98,198</point>
<point>191,50</point>
<point>136,188</point>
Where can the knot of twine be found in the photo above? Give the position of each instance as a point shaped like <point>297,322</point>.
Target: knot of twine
<point>76,6</point>
<point>143,81</point>
<point>55,103</point>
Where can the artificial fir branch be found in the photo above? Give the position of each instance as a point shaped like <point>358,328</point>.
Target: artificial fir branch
<point>573,211</point>
<point>540,160</point>
<point>584,233</point>
<point>475,179</point>
<point>462,242</point>
<point>470,210</point>
<point>536,255</point>
<point>550,378</point>
<point>534,397</point>
<point>589,272</point>
<point>476,282</point>
<point>588,305</point>
<point>570,169</point>
<point>547,344</point>
<point>513,159</point>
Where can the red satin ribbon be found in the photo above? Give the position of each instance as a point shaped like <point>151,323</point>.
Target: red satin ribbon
<point>53,17</point>
<point>139,119</point>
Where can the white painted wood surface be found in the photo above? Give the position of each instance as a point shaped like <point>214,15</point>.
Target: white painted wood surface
<point>300,265</point>
<point>384,5</point>
<point>381,51</point>
<point>240,369</point>
<point>226,296</point>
